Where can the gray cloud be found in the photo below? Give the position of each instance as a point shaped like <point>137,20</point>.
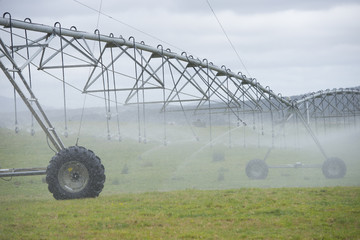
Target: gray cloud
<point>69,7</point>
<point>238,6</point>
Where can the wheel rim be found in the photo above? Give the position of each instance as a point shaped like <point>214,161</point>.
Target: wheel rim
<point>256,171</point>
<point>333,169</point>
<point>73,176</point>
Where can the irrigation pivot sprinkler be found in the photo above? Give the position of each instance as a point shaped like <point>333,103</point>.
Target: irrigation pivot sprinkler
<point>119,70</point>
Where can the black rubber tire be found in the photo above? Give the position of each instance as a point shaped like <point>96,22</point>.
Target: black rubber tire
<point>257,169</point>
<point>75,172</point>
<point>334,168</point>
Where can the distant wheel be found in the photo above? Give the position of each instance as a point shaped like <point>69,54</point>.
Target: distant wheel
<point>334,168</point>
<point>257,169</point>
<point>75,172</point>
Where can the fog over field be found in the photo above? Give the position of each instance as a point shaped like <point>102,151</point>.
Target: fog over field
<point>151,156</point>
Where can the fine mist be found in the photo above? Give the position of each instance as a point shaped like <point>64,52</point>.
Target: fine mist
<point>142,154</point>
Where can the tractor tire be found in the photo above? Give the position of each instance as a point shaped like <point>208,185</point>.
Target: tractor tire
<point>257,169</point>
<point>75,172</point>
<point>334,168</point>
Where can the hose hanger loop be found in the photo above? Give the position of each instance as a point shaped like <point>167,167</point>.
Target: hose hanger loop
<point>57,23</point>
<point>184,54</point>
<point>10,25</point>
<point>27,20</point>
<point>190,57</point>
<point>269,90</point>
<point>97,31</point>
<point>254,80</point>
<point>206,61</point>
<point>223,67</point>
<point>160,47</point>
<point>7,13</point>
<point>131,38</point>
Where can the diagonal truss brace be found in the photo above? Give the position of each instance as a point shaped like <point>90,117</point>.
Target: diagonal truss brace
<point>41,117</point>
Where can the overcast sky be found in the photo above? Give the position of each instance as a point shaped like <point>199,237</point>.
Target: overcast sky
<point>293,46</point>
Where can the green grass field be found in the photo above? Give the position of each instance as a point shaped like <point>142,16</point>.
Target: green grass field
<point>285,213</point>
<point>179,191</point>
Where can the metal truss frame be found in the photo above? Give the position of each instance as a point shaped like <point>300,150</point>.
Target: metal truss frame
<point>147,75</point>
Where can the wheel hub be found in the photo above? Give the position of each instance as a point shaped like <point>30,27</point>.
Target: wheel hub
<point>73,176</point>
